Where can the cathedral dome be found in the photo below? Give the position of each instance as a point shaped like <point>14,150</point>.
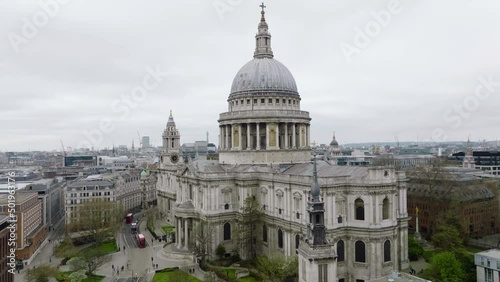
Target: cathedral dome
<point>264,74</point>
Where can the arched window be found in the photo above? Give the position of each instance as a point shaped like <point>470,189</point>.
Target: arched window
<point>385,209</point>
<point>227,231</point>
<point>359,209</point>
<point>340,251</point>
<point>280,239</point>
<point>264,233</point>
<point>387,250</point>
<point>359,252</point>
<point>297,241</point>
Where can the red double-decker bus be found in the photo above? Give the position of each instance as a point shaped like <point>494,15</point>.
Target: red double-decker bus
<point>141,241</point>
<point>129,218</point>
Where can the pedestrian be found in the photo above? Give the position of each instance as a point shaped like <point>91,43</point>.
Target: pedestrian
<point>113,266</point>
<point>151,258</point>
<point>156,266</point>
<point>122,267</point>
<point>117,271</point>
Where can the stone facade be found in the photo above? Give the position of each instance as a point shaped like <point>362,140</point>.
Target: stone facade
<point>265,153</point>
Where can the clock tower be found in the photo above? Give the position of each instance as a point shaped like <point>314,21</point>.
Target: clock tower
<point>171,144</point>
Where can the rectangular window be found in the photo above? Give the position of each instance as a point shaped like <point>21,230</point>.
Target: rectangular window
<point>262,101</point>
<point>322,272</point>
<point>289,102</point>
<point>236,103</point>
<point>304,269</point>
<point>277,101</point>
<point>271,101</point>
<point>255,101</point>
<point>284,101</point>
<point>248,101</point>
<point>488,275</point>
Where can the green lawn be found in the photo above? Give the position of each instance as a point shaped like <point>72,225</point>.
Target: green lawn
<point>167,229</point>
<point>63,276</point>
<point>174,276</point>
<point>230,272</point>
<point>473,249</point>
<point>108,247</point>
<point>248,279</point>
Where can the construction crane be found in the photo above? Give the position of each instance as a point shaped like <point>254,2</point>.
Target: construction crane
<point>397,139</point>
<point>63,150</point>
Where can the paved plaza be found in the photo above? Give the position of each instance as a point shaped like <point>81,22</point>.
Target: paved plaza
<point>136,262</point>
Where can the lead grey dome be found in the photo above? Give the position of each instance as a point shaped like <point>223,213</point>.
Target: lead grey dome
<point>264,74</point>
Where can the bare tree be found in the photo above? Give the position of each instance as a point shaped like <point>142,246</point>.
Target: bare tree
<point>90,259</point>
<point>98,220</point>
<point>250,228</point>
<point>42,273</point>
<point>203,237</point>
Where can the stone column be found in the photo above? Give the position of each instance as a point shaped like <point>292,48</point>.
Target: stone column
<point>308,134</point>
<point>278,136</point>
<point>248,136</point>
<point>294,137</point>
<point>226,143</point>
<point>286,136</point>
<point>267,135</point>
<point>258,137</point>
<point>179,233</point>
<point>240,135</point>
<point>299,127</point>
<point>186,233</point>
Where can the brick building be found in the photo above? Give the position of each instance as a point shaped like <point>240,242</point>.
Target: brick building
<point>4,250</point>
<point>31,232</point>
<point>477,206</point>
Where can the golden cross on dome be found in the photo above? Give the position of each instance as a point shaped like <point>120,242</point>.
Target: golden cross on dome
<point>262,6</point>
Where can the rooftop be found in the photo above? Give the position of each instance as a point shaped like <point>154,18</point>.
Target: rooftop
<point>20,197</point>
<point>491,253</point>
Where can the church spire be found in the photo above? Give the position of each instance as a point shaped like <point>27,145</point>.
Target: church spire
<point>263,38</point>
<point>171,121</point>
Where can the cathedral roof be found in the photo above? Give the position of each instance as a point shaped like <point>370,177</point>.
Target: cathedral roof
<point>263,73</point>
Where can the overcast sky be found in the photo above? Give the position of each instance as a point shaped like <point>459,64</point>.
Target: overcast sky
<point>431,70</point>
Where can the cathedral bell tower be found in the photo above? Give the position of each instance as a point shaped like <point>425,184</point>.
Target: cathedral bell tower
<point>317,258</point>
<point>171,143</point>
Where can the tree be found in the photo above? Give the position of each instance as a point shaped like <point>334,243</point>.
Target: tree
<point>447,237</point>
<point>220,251</point>
<point>66,249</point>
<point>151,214</point>
<point>250,228</point>
<point>433,174</point>
<point>278,267</point>
<point>77,276</point>
<point>98,219</point>
<point>90,259</point>
<point>415,250</point>
<point>41,274</point>
<point>203,239</point>
<point>446,268</point>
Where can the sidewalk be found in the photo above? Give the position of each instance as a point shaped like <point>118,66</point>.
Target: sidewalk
<point>44,254</point>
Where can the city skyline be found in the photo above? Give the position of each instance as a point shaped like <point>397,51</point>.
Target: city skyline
<point>417,77</point>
